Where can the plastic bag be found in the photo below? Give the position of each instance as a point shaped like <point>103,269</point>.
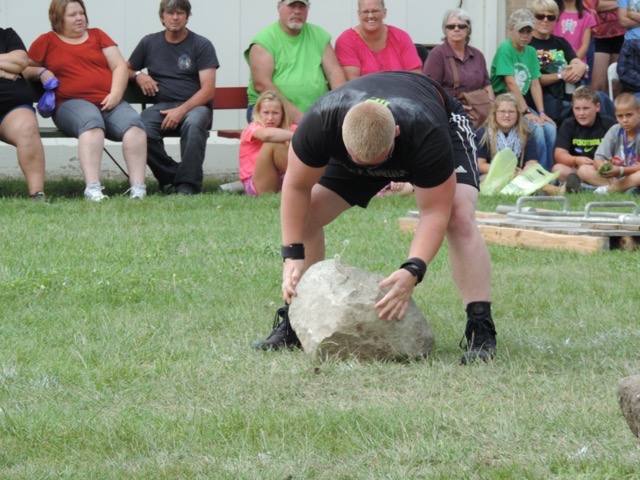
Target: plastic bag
<point>47,103</point>
<point>501,171</point>
<point>529,181</point>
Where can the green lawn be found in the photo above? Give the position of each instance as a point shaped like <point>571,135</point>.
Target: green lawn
<point>125,353</point>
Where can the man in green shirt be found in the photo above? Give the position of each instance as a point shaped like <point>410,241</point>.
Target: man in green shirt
<point>292,57</point>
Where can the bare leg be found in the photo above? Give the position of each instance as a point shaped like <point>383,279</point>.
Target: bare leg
<point>470,262</point>
<point>90,145</point>
<point>134,149</point>
<point>589,174</point>
<point>270,164</point>
<point>20,129</point>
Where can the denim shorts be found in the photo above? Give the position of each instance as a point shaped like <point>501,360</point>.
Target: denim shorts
<point>74,117</point>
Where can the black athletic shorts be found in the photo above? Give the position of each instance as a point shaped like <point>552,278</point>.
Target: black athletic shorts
<point>610,45</point>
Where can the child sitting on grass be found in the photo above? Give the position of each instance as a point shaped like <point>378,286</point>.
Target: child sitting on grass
<point>579,136</point>
<point>264,144</point>
<point>615,167</point>
<point>505,127</point>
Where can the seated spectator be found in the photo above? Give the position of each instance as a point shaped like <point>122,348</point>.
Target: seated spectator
<point>506,128</point>
<point>579,136</point>
<point>18,123</point>
<point>616,167</point>
<point>373,46</point>
<point>515,70</point>
<point>181,77</point>
<point>629,67</point>
<point>89,106</point>
<point>469,61</point>
<point>264,145</point>
<point>561,70</point>
<point>294,58</point>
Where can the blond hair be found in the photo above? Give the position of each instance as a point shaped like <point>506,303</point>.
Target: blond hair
<point>491,127</point>
<point>542,6</point>
<point>626,99</point>
<point>271,96</point>
<point>57,9</point>
<point>368,130</point>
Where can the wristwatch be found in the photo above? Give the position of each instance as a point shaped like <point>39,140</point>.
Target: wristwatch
<point>559,76</point>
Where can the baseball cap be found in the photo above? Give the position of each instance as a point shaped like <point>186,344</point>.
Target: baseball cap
<point>520,19</point>
<point>289,2</point>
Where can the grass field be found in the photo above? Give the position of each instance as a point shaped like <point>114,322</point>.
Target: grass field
<point>125,353</point>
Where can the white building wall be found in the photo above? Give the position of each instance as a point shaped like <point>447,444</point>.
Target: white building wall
<point>230,25</point>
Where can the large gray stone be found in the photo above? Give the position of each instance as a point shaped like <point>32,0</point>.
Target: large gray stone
<point>629,398</point>
<point>334,316</point>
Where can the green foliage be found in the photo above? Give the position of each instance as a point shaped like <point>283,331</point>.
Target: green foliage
<point>125,353</point>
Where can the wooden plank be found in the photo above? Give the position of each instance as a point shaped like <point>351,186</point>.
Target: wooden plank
<point>517,237</point>
<point>408,224</point>
<point>489,215</point>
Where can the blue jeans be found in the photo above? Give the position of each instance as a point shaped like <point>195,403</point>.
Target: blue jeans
<point>545,141</point>
<point>193,132</point>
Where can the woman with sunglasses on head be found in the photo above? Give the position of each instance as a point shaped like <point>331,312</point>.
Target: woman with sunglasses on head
<point>470,63</point>
<point>373,46</point>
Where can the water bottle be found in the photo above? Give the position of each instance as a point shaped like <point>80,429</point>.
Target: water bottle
<point>569,88</point>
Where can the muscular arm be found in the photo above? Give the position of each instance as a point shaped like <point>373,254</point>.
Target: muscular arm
<point>294,210</point>
<point>434,208</point>
<point>262,66</point>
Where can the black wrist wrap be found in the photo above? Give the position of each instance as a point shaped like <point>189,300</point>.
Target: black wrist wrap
<point>416,267</point>
<point>295,251</point>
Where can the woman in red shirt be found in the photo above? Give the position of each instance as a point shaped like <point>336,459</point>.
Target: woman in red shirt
<point>93,76</point>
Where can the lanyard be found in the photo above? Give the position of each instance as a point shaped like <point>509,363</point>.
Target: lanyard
<point>628,148</point>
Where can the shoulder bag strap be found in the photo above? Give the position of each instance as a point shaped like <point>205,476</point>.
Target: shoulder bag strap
<point>456,77</point>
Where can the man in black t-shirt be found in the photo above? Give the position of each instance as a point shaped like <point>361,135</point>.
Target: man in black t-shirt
<point>579,136</point>
<point>391,126</point>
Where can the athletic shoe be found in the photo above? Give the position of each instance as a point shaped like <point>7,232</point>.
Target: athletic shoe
<point>282,335</point>
<point>572,184</point>
<point>186,189</point>
<point>138,190</point>
<point>93,192</point>
<point>480,334</point>
<point>39,197</point>
<point>602,190</point>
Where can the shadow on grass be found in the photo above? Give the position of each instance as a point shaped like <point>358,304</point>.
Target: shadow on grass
<point>74,188</point>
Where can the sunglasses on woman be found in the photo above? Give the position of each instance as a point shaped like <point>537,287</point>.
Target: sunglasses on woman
<point>459,26</point>
<point>542,16</point>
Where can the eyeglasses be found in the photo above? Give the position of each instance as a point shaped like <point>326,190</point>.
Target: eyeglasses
<point>506,113</point>
<point>542,16</point>
<point>459,26</point>
<point>366,13</point>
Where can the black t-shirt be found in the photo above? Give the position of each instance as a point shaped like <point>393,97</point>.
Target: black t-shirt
<point>12,93</point>
<point>583,141</point>
<point>554,54</point>
<point>423,152</point>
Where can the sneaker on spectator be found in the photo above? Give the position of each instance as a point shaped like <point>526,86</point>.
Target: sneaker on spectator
<point>39,197</point>
<point>138,190</point>
<point>602,190</point>
<point>93,192</point>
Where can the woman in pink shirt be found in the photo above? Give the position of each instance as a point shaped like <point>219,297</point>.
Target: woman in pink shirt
<point>373,46</point>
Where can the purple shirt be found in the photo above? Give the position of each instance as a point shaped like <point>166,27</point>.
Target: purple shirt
<point>472,69</point>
